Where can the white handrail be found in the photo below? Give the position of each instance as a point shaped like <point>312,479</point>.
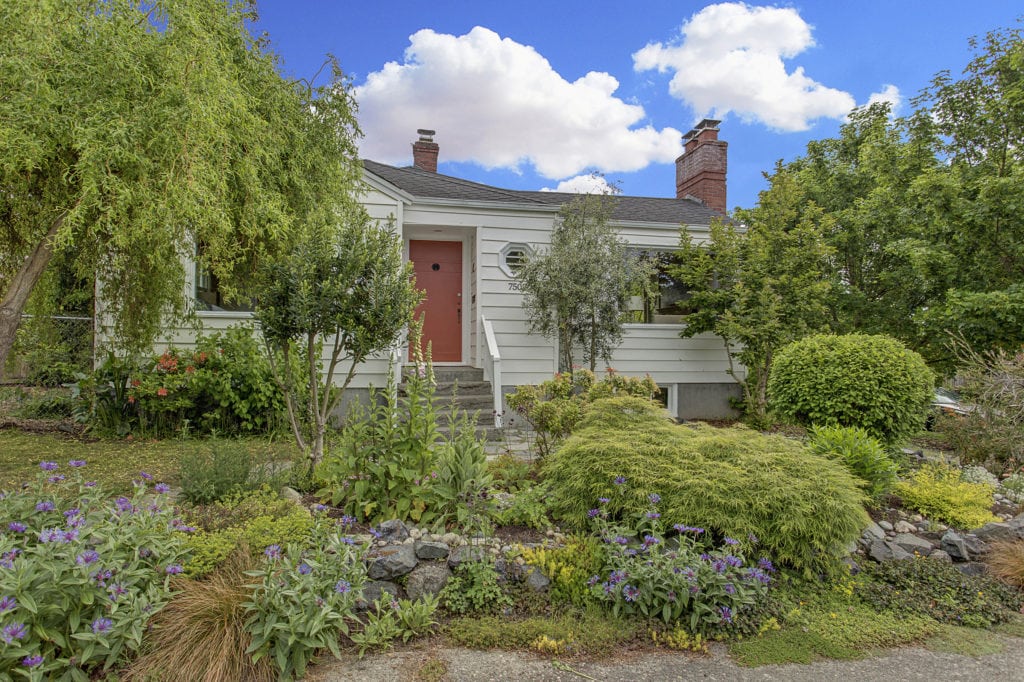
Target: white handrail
<point>494,365</point>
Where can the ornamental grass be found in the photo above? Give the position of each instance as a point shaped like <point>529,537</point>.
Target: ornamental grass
<point>200,635</point>
<point>1005,560</point>
<point>736,482</point>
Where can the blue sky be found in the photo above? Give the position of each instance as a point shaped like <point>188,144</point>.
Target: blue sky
<point>534,95</point>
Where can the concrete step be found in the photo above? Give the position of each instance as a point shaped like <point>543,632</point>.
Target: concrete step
<point>449,373</point>
<point>446,388</point>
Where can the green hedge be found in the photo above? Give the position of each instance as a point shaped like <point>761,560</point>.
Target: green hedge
<point>805,509</point>
<point>872,382</point>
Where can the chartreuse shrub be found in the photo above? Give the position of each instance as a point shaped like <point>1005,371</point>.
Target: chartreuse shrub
<point>555,407</point>
<point>244,521</point>
<point>592,630</point>
<point>733,482</point>
<point>569,568</point>
<point>872,382</point>
<point>80,574</point>
<point>863,455</point>
<point>939,493</point>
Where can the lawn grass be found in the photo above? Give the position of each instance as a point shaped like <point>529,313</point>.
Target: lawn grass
<point>114,464</point>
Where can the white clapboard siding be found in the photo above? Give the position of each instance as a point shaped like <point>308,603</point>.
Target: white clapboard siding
<point>658,350</point>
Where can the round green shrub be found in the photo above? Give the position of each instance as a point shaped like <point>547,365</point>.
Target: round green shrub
<point>872,382</point>
<point>804,509</point>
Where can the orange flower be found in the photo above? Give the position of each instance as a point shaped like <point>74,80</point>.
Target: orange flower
<point>131,400</point>
<point>161,391</point>
<point>190,369</point>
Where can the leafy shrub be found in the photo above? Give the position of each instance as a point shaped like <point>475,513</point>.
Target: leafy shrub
<point>50,404</point>
<point>1005,561</point>
<point>525,507</point>
<point>458,492</point>
<point>569,568</point>
<point>555,407</point>
<point>200,634</point>
<point>734,482</point>
<point>390,619</point>
<point>222,467</point>
<point>872,382</point>
<point>710,591</point>
<point>938,492</point>
<point>303,599</point>
<point>510,473</point>
<point>1013,487</point>
<point>474,589</point>
<point>104,399</point>
<point>939,590</point>
<point>381,467</point>
<point>992,431</point>
<point>80,575</point>
<point>860,453</point>
<point>248,521</point>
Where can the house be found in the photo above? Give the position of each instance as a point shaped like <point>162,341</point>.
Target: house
<point>466,239</point>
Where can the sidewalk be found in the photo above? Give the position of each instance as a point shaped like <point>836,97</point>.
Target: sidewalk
<point>464,665</point>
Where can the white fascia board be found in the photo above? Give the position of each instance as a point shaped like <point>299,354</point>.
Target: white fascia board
<point>660,226</point>
<point>385,187</point>
<point>502,206</point>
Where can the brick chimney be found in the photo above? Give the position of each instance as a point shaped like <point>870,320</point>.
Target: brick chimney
<point>424,151</point>
<point>700,171</point>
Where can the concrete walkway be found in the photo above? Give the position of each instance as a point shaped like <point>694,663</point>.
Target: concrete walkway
<point>464,665</point>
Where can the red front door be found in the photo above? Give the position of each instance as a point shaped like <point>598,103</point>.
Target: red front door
<point>438,268</point>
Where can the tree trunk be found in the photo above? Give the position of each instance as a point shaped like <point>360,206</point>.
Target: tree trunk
<point>17,294</point>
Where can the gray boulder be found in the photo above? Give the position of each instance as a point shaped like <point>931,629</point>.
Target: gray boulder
<point>392,561</point>
<point>962,547</point>
<point>939,555</point>
<point>999,531</point>
<point>393,531</point>
<point>912,543</point>
<point>885,525</point>
<point>428,549</point>
<point>883,550</point>
<point>874,532</point>
<point>535,580</point>
<point>374,589</point>
<point>466,553</point>
<point>429,577</point>
<point>972,568</point>
<point>905,527</point>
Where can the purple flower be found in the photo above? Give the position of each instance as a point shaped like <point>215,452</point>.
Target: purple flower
<point>56,478</point>
<point>76,463</point>
<point>162,488</point>
<point>347,520</point>
<point>654,498</point>
<point>730,588</point>
<point>733,561</point>
<point>718,565</point>
<point>145,476</point>
<point>68,536</point>
<point>305,569</point>
<point>17,527</point>
<point>74,511</point>
<point>48,466</point>
<point>753,538</point>
<point>342,586</point>
<point>145,552</point>
<point>116,590</point>
<point>50,535</point>
<point>650,540</point>
<point>13,632</point>
<point>348,541</point>
<point>630,593</point>
<point>8,603</point>
<point>616,577</point>
<point>681,528</point>
<point>671,595</point>
<point>173,569</point>
<point>45,506</point>
<point>653,515</point>
<point>32,661</point>
<point>726,613</point>
<point>90,484</point>
<point>179,525</point>
<point>620,540</point>
<point>593,580</point>
<point>101,625</point>
<point>759,575</point>
<point>123,504</point>
<point>731,541</point>
<point>87,557</point>
<point>593,512</point>
<point>273,552</point>
<point>603,500</point>
<point>102,577</point>
<point>620,480</point>
<point>319,507</point>
<point>375,533</point>
<point>765,564</point>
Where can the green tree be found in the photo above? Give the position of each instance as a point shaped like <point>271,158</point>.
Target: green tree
<point>577,290</point>
<point>759,282</point>
<point>345,289</point>
<point>131,133</point>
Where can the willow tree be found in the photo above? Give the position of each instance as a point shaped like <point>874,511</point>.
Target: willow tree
<point>133,133</point>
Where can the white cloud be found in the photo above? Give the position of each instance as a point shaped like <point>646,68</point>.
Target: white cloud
<point>730,59</point>
<point>499,103</point>
<point>584,184</point>
<point>889,93</point>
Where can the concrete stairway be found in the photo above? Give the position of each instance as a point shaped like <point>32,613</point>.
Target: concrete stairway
<point>464,387</point>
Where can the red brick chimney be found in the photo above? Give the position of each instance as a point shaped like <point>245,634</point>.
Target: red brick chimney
<point>700,171</point>
<point>424,151</point>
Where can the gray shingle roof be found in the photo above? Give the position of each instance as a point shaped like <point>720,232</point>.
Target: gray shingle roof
<point>426,185</point>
